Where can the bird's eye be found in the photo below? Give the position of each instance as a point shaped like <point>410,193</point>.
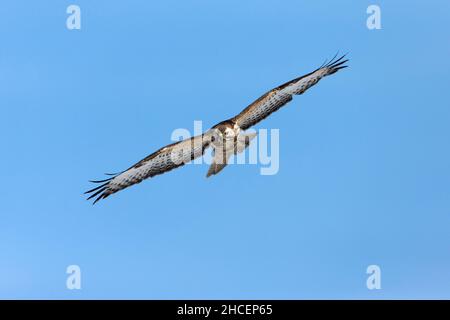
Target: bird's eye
<point>213,139</point>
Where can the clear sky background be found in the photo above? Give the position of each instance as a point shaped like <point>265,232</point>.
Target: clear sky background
<point>364,156</point>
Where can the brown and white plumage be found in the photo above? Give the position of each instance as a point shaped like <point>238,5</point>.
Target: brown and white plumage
<point>274,99</point>
<point>165,159</point>
<point>180,153</point>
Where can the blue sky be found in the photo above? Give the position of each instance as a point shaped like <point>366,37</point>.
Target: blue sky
<point>364,156</point>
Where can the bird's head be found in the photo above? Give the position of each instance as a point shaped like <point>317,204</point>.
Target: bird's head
<point>224,132</point>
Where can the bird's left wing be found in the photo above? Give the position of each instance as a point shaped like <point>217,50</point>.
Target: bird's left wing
<point>276,98</point>
<point>161,161</point>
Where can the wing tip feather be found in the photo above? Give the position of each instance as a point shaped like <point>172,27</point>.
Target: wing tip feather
<point>336,64</point>
<point>102,191</point>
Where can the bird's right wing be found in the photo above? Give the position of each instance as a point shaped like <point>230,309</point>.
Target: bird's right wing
<point>159,162</point>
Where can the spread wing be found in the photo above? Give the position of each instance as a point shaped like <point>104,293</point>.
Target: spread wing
<point>165,159</point>
<point>278,97</point>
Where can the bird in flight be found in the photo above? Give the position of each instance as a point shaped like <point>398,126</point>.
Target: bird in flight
<point>225,138</point>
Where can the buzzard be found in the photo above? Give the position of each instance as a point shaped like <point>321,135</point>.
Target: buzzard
<point>225,138</point>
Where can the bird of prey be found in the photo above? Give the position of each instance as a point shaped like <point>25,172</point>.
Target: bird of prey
<point>225,138</point>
